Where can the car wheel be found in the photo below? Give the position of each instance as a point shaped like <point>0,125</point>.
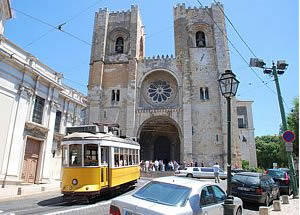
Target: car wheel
<point>189,175</point>
<point>267,201</point>
<point>239,211</point>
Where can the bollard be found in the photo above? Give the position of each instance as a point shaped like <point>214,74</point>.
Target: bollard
<point>285,199</point>
<point>19,191</point>
<point>263,210</point>
<point>277,205</point>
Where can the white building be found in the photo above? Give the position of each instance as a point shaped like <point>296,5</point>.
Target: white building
<point>35,108</point>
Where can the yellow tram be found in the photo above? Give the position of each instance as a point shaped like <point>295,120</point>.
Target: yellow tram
<point>95,162</point>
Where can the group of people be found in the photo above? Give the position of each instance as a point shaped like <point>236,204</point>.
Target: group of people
<point>158,165</point>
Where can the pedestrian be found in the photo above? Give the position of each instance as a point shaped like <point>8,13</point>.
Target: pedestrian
<point>202,164</point>
<point>216,168</point>
<point>147,165</point>
<point>156,164</point>
<point>196,164</point>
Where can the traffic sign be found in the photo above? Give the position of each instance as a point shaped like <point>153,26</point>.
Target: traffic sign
<point>289,147</point>
<point>288,136</point>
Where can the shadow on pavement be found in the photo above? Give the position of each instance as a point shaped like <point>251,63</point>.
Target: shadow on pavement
<point>61,201</point>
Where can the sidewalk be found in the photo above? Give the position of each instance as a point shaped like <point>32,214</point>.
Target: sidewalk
<point>15,191</point>
<point>287,209</point>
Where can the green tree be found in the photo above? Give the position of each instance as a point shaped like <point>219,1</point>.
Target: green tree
<point>269,150</point>
<point>293,125</point>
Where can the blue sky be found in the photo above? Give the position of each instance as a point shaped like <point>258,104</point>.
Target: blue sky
<point>270,28</point>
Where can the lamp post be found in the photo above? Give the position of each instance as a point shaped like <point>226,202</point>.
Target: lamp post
<point>275,71</point>
<point>228,86</point>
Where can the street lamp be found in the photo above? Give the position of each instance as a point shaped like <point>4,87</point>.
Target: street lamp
<point>228,86</point>
<point>274,71</point>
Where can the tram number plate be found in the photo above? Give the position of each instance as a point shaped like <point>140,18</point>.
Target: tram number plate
<point>244,188</point>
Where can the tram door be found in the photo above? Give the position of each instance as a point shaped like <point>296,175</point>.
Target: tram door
<point>104,166</point>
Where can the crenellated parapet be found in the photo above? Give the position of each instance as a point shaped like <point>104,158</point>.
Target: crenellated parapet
<point>162,58</point>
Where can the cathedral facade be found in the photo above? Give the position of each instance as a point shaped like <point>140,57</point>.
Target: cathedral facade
<point>172,104</point>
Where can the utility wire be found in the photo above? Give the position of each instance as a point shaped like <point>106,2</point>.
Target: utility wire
<point>235,29</point>
<point>236,49</point>
<point>252,52</point>
<point>59,27</point>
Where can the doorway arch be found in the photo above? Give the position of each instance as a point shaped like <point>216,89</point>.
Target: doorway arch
<point>160,139</point>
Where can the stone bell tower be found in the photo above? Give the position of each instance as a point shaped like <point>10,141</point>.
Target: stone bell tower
<point>118,42</point>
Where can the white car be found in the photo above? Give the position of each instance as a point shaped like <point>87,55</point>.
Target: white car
<point>200,172</point>
<point>176,196</point>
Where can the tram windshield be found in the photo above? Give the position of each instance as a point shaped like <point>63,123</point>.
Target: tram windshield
<point>91,155</point>
<point>75,155</point>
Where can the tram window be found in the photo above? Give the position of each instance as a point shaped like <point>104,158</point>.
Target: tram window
<point>116,156</point>
<point>75,155</point>
<point>137,156</point>
<point>130,156</point>
<point>65,155</point>
<point>91,155</point>
<point>125,153</point>
<point>104,155</point>
<point>121,157</point>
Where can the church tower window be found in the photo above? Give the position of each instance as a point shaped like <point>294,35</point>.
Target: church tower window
<point>204,93</point>
<point>119,45</point>
<point>201,94</point>
<point>200,39</point>
<point>113,95</point>
<point>118,96</point>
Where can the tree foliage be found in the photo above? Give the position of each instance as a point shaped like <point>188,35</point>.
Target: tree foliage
<point>293,125</point>
<point>269,150</point>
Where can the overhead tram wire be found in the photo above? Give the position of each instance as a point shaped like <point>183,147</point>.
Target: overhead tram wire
<point>237,50</point>
<point>68,21</point>
<point>239,35</point>
<point>235,29</point>
<point>59,27</point>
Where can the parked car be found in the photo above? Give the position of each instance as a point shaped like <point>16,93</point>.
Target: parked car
<point>174,195</point>
<point>282,178</point>
<point>200,172</point>
<point>255,187</point>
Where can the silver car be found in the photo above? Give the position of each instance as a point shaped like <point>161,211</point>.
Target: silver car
<point>200,172</point>
<point>174,195</point>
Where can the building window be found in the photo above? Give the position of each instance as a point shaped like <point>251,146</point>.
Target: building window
<point>38,110</point>
<point>118,96</point>
<point>115,95</point>
<point>57,121</point>
<point>200,39</point>
<point>119,45</point>
<point>204,93</point>
<point>241,123</point>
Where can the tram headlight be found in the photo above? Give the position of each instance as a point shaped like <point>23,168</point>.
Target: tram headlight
<point>74,181</point>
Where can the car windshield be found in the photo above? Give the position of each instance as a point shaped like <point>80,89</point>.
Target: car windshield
<point>164,193</point>
<point>276,173</point>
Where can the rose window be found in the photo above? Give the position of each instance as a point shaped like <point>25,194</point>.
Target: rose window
<point>159,91</point>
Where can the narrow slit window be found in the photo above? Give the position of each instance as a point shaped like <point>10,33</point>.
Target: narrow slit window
<point>118,96</point>
<point>201,94</point>
<point>206,93</point>
<point>113,95</point>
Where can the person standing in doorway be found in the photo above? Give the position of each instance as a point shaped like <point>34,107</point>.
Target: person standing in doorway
<point>216,172</point>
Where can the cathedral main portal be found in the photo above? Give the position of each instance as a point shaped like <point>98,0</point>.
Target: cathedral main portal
<point>159,139</point>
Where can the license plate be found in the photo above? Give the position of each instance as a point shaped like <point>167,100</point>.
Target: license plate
<point>244,188</point>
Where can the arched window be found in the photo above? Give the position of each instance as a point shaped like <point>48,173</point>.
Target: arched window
<point>119,45</point>
<point>200,39</point>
